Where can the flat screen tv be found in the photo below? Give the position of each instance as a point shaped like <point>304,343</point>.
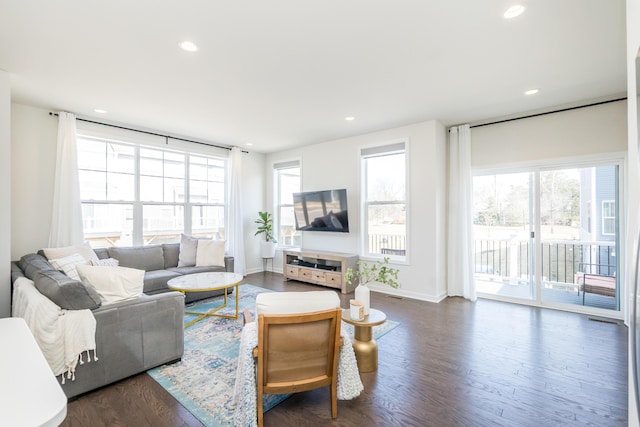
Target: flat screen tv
<point>324,210</point>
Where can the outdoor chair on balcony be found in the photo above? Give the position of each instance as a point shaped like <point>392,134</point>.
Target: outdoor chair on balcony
<point>595,284</point>
<point>389,251</point>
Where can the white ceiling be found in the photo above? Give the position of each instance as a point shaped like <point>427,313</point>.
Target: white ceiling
<point>285,73</point>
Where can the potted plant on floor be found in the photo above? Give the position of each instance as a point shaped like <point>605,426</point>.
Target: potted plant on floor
<point>265,227</point>
<point>378,272</point>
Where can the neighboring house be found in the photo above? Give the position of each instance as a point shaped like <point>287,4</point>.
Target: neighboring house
<point>599,220</point>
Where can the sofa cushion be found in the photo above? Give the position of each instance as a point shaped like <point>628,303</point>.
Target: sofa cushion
<point>106,262</point>
<point>113,284</point>
<point>188,250</point>
<point>68,265</point>
<point>210,253</point>
<point>156,280</point>
<point>192,270</point>
<point>147,258</point>
<point>296,302</point>
<point>102,253</point>
<point>83,249</point>
<point>171,252</point>
<point>30,264</point>
<point>65,292</point>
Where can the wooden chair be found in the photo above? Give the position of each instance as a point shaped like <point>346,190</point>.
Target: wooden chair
<point>297,352</point>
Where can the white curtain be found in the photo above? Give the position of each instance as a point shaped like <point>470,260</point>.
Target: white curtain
<point>66,218</point>
<point>235,240</point>
<point>460,227</point>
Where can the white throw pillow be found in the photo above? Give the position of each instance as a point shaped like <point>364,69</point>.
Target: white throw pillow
<point>113,284</point>
<point>210,253</point>
<point>68,265</point>
<point>188,250</point>
<point>84,250</point>
<point>107,262</point>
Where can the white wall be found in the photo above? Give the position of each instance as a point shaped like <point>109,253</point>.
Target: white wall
<point>335,164</point>
<point>33,161</point>
<point>633,197</point>
<point>585,131</point>
<point>5,194</point>
<point>33,154</point>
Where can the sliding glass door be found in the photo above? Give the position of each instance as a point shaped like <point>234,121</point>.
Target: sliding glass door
<point>549,236</point>
<point>502,234</point>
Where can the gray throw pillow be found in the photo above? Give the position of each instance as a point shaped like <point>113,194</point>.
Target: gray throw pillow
<point>65,292</point>
<point>30,264</point>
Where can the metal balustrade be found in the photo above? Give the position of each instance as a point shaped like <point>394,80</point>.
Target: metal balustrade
<point>508,261</point>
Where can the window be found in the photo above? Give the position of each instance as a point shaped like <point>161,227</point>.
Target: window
<point>608,217</point>
<point>384,173</point>
<point>134,195</point>
<point>286,178</point>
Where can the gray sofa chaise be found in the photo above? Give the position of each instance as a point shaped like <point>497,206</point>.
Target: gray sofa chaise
<point>133,335</point>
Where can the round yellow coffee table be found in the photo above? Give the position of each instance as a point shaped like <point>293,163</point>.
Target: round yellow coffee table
<point>365,347</point>
<point>201,282</point>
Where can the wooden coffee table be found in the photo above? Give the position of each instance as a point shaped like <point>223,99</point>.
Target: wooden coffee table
<point>365,347</point>
<point>202,282</point>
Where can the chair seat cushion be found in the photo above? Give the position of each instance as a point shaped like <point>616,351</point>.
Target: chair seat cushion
<point>296,302</point>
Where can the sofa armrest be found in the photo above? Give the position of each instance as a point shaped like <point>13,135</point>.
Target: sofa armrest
<point>228,264</point>
<point>131,337</point>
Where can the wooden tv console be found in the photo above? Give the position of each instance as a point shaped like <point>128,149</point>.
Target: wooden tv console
<point>320,268</point>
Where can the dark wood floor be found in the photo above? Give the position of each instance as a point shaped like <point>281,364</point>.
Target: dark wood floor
<point>454,363</point>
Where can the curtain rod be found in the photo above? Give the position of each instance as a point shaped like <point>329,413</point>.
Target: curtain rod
<point>545,113</point>
<point>150,133</point>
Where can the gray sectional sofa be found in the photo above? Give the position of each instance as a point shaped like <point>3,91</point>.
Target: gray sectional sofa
<point>134,335</point>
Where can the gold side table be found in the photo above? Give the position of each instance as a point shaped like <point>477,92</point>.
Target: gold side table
<point>365,347</point>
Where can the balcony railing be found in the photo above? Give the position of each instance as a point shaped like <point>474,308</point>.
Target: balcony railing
<point>389,244</point>
<point>509,260</point>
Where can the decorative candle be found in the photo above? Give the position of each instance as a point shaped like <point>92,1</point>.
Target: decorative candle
<point>356,310</point>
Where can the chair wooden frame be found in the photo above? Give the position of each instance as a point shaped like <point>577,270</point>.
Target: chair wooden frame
<point>297,352</point>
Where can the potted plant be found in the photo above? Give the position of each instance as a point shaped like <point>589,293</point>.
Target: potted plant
<point>367,273</point>
<point>265,227</point>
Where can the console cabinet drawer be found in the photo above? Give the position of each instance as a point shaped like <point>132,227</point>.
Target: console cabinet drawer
<point>334,279</point>
<point>319,276</point>
<point>305,274</point>
<point>292,271</point>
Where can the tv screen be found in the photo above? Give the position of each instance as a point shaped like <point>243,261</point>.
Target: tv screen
<point>321,210</point>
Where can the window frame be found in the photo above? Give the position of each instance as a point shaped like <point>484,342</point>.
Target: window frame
<point>400,146</point>
<point>604,218</point>
<point>278,169</point>
<point>138,235</point>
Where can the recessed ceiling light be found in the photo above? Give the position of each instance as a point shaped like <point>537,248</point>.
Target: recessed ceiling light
<point>532,91</point>
<point>100,111</point>
<point>514,11</point>
<point>249,144</point>
<point>349,118</point>
<point>189,46</point>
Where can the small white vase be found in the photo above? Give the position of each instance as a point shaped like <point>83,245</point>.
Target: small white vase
<point>362,295</point>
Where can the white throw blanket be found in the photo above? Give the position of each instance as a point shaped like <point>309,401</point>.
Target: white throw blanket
<point>349,385</point>
<point>63,335</point>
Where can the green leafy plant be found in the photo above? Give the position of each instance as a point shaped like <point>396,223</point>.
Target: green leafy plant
<point>265,226</point>
<point>373,272</point>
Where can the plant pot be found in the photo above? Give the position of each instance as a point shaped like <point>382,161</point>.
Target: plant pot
<point>267,249</point>
<point>362,295</point>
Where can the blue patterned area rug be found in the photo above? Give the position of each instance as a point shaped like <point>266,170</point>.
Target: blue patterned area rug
<point>204,380</point>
